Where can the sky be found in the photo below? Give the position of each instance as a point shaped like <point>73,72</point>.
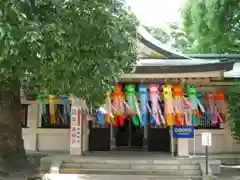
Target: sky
<point>156,13</point>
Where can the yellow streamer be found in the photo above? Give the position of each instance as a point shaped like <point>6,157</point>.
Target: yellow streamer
<point>168,104</point>
<point>52,109</point>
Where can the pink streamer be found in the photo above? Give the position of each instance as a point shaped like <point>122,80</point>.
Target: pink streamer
<point>153,95</point>
<point>213,112</point>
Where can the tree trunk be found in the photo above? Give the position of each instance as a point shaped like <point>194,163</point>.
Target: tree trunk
<point>12,152</point>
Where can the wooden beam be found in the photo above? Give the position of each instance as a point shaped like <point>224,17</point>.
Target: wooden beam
<point>219,84</point>
<point>170,81</point>
<point>213,74</point>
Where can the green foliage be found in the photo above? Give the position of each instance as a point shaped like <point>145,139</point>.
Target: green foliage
<point>160,34</point>
<point>78,47</point>
<point>211,26</point>
<point>171,35</point>
<point>179,41</point>
<point>233,94</point>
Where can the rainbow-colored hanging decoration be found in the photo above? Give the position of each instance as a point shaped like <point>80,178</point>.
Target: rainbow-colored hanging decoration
<point>179,108</point>
<point>51,99</point>
<point>143,95</point>
<point>192,95</point>
<point>42,108</point>
<point>154,97</point>
<point>108,116</point>
<point>100,116</point>
<point>118,104</point>
<point>66,107</point>
<point>178,104</point>
<point>195,103</point>
<point>133,104</point>
<point>221,104</point>
<point>168,104</point>
<point>210,96</point>
<point>162,118</point>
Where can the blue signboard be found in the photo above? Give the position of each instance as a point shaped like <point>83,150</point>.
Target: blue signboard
<point>183,131</point>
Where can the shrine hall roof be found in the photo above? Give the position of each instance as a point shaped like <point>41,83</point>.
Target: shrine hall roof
<point>175,62</point>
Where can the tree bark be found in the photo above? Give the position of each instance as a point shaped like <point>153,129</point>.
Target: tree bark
<point>12,152</point>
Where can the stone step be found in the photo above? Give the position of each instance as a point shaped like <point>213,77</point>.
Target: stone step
<point>130,161</point>
<point>128,171</point>
<point>115,177</point>
<point>130,166</point>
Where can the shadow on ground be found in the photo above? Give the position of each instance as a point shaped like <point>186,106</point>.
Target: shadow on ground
<point>230,173</point>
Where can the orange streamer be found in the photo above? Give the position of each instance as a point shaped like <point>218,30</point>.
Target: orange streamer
<point>178,104</point>
<point>221,104</point>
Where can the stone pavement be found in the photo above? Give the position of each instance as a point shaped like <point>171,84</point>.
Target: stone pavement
<point>229,174</point>
<point>112,177</point>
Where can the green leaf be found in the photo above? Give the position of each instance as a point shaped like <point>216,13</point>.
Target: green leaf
<point>233,94</point>
<point>77,47</point>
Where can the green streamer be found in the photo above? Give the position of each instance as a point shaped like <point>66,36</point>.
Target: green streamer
<point>40,100</point>
<point>192,95</point>
<point>132,102</point>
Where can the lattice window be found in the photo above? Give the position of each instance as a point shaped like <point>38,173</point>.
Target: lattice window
<point>62,120</point>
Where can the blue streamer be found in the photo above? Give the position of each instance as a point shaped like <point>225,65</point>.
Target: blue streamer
<point>143,103</point>
<point>66,107</point>
<point>152,120</point>
<point>100,118</point>
<point>206,114</point>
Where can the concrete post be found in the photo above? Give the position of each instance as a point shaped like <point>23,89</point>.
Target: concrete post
<point>30,134</point>
<point>78,126</point>
<point>182,147</point>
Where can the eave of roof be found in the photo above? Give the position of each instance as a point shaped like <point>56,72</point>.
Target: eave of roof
<point>211,56</point>
<point>187,68</point>
<point>179,63</point>
<point>233,73</point>
<point>148,40</point>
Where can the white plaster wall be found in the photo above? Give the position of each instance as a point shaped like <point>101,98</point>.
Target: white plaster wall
<point>217,142</point>
<point>222,141</point>
<point>46,139</point>
<point>53,139</point>
<point>29,139</point>
<point>37,139</point>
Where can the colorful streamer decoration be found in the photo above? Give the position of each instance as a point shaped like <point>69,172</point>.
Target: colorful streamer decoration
<point>178,109</point>
<point>100,116</point>
<point>178,104</point>
<point>52,109</point>
<point>108,116</point>
<point>143,94</point>
<point>168,104</point>
<point>192,95</point>
<point>118,104</point>
<point>221,104</point>
<point>203,107</point>
<point>160,111</point>
<point>66,107</point>
<point>212,109</point>
<point>154,96</point>
<point>40,100</point>
<point>133,104</point>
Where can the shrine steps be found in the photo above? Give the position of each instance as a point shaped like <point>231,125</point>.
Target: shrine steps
<point>163,170</point>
